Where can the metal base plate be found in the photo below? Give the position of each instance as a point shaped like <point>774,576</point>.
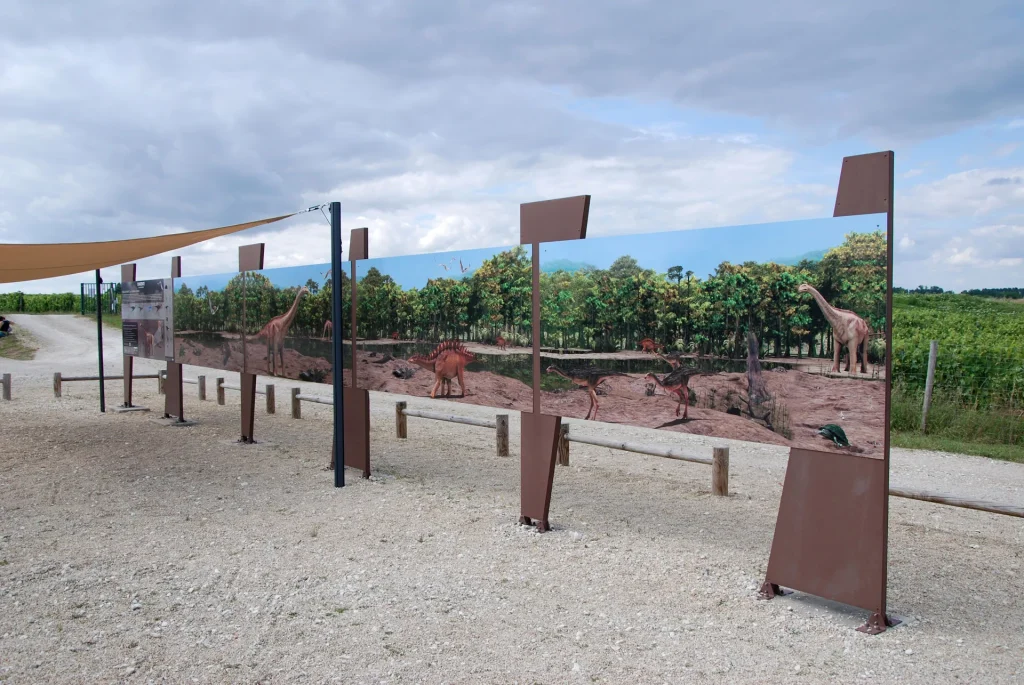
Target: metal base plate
<point>174,422</point>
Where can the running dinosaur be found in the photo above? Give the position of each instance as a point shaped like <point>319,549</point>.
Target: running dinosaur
<point>677,382</point>
<point>447,361</point>
<point>588,378</point>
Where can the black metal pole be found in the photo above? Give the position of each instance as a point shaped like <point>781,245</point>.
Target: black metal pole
<point>99,337</point>
<point>339,359</point>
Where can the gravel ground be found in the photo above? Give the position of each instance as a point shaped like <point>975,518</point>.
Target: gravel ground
<point>134,552</point>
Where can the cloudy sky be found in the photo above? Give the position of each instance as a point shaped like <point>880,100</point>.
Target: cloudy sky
<point>431,121</point>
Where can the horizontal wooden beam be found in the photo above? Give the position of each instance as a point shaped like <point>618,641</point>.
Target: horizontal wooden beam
<point>652,450</point>
<point>437,416</point>
<point>954,501</point>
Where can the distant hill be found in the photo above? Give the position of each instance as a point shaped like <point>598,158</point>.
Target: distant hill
<point>815,256</point>
<point>563,265</point>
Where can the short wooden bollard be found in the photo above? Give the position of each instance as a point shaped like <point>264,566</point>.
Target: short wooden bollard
<point>7,386</point>
<point>270,398</point>
<point>220,391</point>
<point>202,387</point>
<point>296,404</point>
<point>502,434</point>
<point>720,471</point>
<point>401,420</point>
<point>563,445</point>
<point>56,384</point>
<point>160,376</point>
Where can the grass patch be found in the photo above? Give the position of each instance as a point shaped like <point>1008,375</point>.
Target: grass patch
<point>956,426</point>
<point>916,441</point>
<point>19,346</point>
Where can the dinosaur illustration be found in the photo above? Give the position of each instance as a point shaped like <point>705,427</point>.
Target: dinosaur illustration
<point>328,328</point>
<point>394,335</point>
<point>678,382</point>
<point>464,269</point>
<point>673,359</point>
<point>501,342</point>
<point>590,378</point>
<point>847,329</point>
<point>213,310</point>
<point>447,361</point>
<point>275,330</point>
<point>648,345</point>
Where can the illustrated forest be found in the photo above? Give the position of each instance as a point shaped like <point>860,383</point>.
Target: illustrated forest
<point>613,309</point>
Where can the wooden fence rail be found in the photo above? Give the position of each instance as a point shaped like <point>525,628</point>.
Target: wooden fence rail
<point>719,461</point>
<point>499,423</point>
<point>955,501</point>
<point>59,380</point>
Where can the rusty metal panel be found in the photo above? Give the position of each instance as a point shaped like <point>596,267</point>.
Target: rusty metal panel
<point>359,244</point>
<point>551,220</point>
<point>357,429</point>
<point>248,406</point>
<point>173,396</point>
<point>830,533</point>
<point>250,257</point>
<point>865,184</point>
<point>175,267</point>
<point>539,445</point>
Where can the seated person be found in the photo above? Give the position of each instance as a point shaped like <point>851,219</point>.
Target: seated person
<point>5,327</point>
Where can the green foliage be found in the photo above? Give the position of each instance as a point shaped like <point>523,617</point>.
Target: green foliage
<point>208,311</point>
<point>41,304</point>
<point>614,308</point>
<point>495,300</point>
<point>981,347</point>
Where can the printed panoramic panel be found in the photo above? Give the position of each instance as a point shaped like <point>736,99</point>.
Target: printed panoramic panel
<point>770,333</point>
<point>274,322</point>
<point>449,325</point>
<point>208,312</point>
<point>290,332</point>
<point>147,318</point>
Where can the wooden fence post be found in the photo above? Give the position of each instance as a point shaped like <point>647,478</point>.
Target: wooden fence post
<point>401,420</point>
<point>7,386</point>
<point>720,471</point>
<point>160,375</point>
<point>56,384</point>
<point>502,434</point>
<point>563,445</point>
<point>270,398</point>
<point>202,387</point>
<point>296,404</point>
<point>933,353</point>
<point>220,391</point>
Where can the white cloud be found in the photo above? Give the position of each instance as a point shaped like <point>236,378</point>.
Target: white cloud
<point>432,121</point>
<point>1006,149</point>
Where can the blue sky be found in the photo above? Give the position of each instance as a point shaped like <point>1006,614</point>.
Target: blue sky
<point>122,124</point>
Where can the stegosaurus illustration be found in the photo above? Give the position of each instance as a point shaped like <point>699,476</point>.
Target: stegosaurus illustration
<point>447,361</point>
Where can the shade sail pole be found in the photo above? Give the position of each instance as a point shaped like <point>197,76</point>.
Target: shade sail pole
<point>99,337</point>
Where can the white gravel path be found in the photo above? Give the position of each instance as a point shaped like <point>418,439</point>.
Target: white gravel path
<point>131,552</point>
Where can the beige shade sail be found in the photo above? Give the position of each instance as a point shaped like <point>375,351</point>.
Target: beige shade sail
<point>24,262</point>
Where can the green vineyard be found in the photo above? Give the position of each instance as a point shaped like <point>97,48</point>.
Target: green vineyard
<point>981,347</point>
